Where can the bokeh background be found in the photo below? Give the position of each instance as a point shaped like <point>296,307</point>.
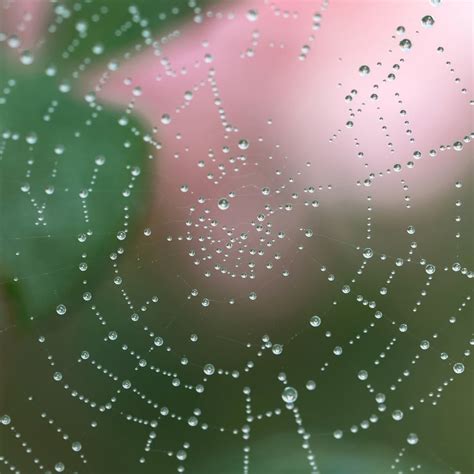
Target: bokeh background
<point>111,109</point>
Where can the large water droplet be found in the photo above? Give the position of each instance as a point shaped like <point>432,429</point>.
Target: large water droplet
<point>289,395</point>
<point>223,204</point>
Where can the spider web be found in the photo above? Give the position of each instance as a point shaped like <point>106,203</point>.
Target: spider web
<point>282,309</point>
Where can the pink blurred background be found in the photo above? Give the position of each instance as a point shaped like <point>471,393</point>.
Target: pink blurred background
<point>249,81</point>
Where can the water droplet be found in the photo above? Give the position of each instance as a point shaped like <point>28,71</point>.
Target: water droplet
<point>458,368</point>
<point>405,44</point>
<point>51,71</point>
<point>57,376</point>
<point>277,349</point>
<point>98,49</point>
<point>430,269</point>
<point>368,253</point>
<point>397,415</point>
<point>427,21</point>
<point>223,204</point>
<point>84,355</point>
<point>76,446</point>
<point>209,369</point>
<point>181,455</point>
<point>289,395</point>
<point>13,41</point>
<point>243,144</point>
<point>26,58</point>
<point>81,26</point>
<point>5,420</point>
<point>425,345</point>
<point>31,138</point>
<point>252,15</point>
<point>315,321</point>
<point>362,375</point>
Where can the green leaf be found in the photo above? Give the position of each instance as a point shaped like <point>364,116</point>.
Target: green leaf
<point>55,148</point>
<point>100,28</point>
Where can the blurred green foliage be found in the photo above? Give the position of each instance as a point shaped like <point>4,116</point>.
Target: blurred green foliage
<point>123,24</point>
<point>46,164</point>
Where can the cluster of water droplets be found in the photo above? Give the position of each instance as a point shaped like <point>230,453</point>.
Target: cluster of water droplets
<point>259,248</point>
